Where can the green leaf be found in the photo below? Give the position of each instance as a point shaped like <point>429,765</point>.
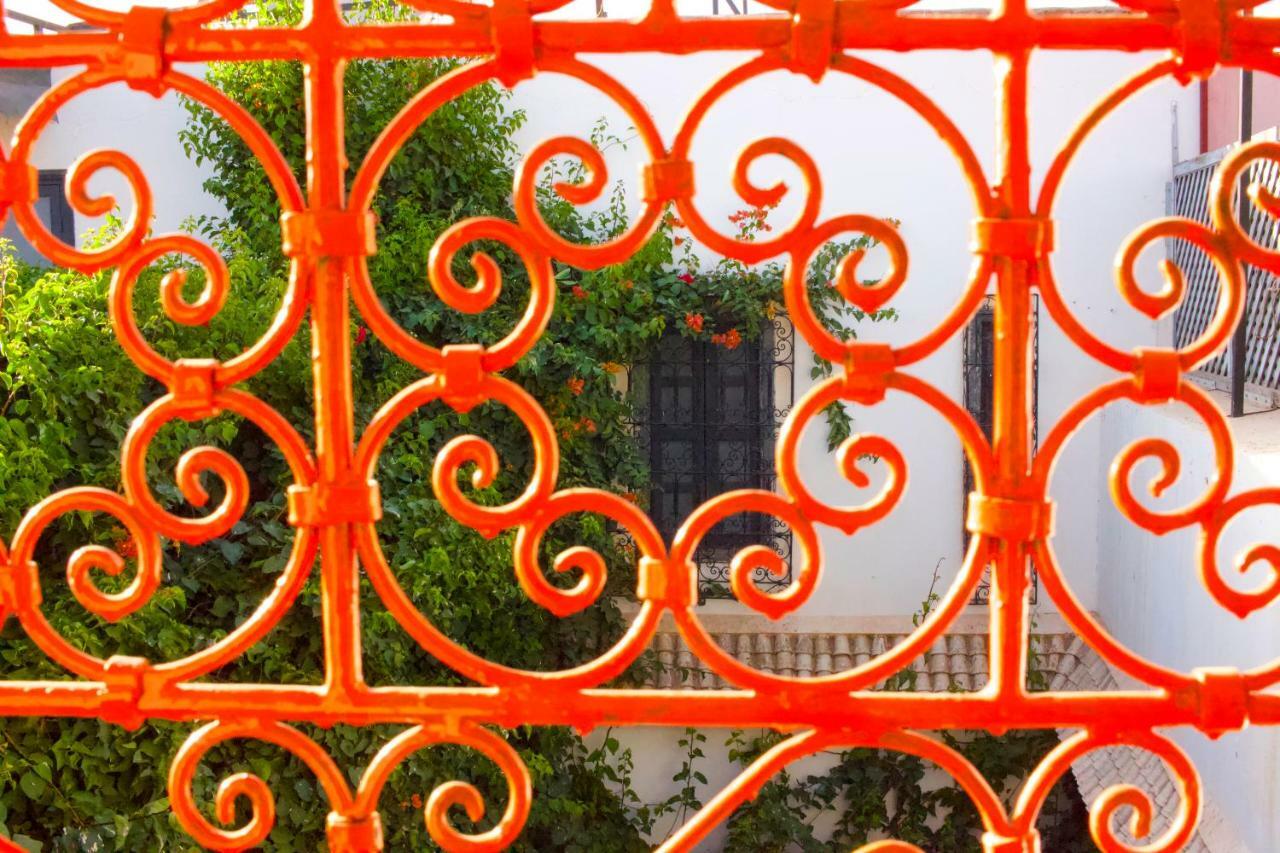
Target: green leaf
<point>32,785</point>
<point>231,551</point>
<point>28,843</point>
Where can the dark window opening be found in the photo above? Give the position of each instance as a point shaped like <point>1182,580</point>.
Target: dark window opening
<point>707,417</point>
<point>978,364</point>
<point>53,210</point>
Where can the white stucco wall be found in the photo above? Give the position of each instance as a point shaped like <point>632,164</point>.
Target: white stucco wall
<point>890,165</point>
<point>118,118</point>
<point>1152,600</point>
<point>876,157</point>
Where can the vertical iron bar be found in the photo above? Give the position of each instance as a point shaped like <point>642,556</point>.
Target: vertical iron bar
<point>331,351</point>
<point>1240,337</point>
<point>1011,429</point>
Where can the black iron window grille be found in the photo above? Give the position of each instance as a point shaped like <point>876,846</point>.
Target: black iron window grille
<point>707,416</point>
<point>54,211</point>
<point>979,365</point>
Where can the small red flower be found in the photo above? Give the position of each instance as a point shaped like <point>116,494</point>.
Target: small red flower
<point>416,800</point>
<point>685,277</point>
<point>677,241</point>
<point>578,292</point>
<point>127,547</point>
<point>587,425</point>
<point>576,385</point>
<point>631,496</point>
<point>362,334</point>
<point>693,321</point>
<point>731,339</point>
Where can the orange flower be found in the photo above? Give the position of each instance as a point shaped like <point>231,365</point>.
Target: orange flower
<point>576,385</point>
<point>416,799</point>
<point>693,321</point>
<point>585,425</point>
<point>677,241</point>
<point>732,339</point>
<point>612,367</point>
<point>578,292</point>
<point>631,496</point>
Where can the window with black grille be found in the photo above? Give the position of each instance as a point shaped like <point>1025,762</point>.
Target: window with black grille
<point>979,358</point>
<point>707,416</point>
<point>52,209</point>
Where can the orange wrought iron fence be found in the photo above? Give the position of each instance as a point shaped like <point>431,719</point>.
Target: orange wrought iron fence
<point>328,232</point>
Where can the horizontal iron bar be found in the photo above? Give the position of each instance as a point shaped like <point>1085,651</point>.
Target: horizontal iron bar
<point>593,708</point>
<point>871,29</point>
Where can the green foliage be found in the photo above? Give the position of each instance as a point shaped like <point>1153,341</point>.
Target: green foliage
<point>862,795</point>
<point>867,794</point>
<point>70,394</point>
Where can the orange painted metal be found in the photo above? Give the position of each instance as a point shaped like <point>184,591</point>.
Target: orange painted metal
<point>328,234</point>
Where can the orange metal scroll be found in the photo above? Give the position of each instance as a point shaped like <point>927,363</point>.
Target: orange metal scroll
<point>328,233</point>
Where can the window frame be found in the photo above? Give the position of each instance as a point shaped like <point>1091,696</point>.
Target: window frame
<point>51,187</point>
<point>51,184</point>
<point>770,397</point>
<point>983,320</point>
